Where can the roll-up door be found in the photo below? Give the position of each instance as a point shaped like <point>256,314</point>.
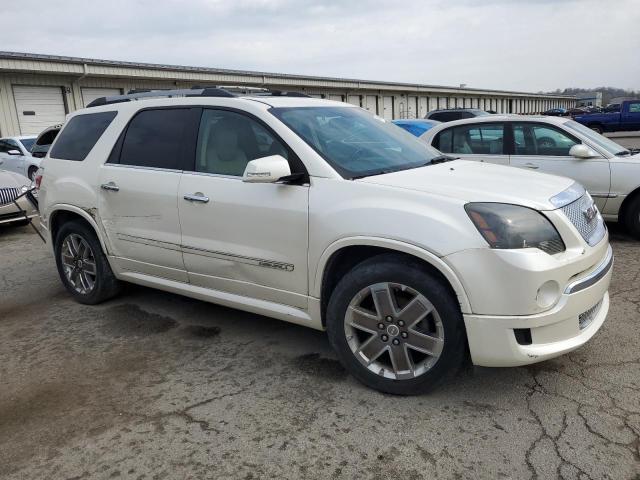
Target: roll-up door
<point>38,108</point>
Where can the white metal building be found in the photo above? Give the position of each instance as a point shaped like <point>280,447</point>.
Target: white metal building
<point>37,91</point>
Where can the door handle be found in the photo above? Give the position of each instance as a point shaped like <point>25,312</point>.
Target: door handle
<point>110,186</point>
<point>532,166</point>
<point>196,197</point>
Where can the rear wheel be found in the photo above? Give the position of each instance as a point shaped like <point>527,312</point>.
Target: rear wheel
<point>632,217</point>
<point>32,173</point>
<point>395,326</point>
<point>596,128</point>
<point>82,266</point>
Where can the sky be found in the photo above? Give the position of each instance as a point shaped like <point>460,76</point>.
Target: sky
<point>524,45</point>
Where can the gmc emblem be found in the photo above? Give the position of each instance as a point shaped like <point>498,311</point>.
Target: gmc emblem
<point>590,213</point>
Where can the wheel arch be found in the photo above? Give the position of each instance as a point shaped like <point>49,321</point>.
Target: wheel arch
<point>64,213</point>
<point>344,254</point>
<point>626,202</point>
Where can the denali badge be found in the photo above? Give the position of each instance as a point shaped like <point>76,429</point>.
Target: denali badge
<point>590,213</point>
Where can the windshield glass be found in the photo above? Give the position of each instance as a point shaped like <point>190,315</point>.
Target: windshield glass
<point>354,142</point>
<point>603,142</point>
<point>28,143</point>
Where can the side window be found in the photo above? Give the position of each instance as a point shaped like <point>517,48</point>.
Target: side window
<point>443,141</point>
<point>634,107</point>
<point>227,141</point>
<point>544,140</point>
<point>5,146</point>
<point>479,139</point>
<point>80,135</point>
<point>154,138</point>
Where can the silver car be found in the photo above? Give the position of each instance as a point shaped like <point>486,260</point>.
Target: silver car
<point>12,185</point>
<point>557,145</point>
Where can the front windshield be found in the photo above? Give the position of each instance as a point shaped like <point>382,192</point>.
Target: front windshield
<point>609,145</point>
<point>354,142</point>
<point>27,143</point>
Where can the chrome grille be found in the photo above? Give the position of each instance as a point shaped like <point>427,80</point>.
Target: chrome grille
<point>8,195</point>
<point>585,318</point>
<point>592,230</point>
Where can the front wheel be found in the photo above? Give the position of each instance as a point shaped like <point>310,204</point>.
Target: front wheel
<point>632,217</point>
<point>32,173</point>
<point>395,326</point>
<point>596,128</point>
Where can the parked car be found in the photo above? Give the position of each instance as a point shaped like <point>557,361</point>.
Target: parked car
<point>555,112</point>
<point>416,126</point>
<point>560,146</point>
<point>451,114</point>
<point>12,185</point>
<point>321,214</point>
<point>627,117</point>
<point>44,140</point>
<point>15,156</point>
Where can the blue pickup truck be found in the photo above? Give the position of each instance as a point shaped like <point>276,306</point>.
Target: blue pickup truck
<point>626,118</point>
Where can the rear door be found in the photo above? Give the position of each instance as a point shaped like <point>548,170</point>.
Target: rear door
<point>249,239</point>
<point>481,142</point>
<point>545,148</point>
<point>139,190</point>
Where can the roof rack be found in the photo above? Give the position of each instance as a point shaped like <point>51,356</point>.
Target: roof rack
<point>227,91</point>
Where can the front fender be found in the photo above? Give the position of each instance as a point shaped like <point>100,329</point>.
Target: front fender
<point>418,252</point>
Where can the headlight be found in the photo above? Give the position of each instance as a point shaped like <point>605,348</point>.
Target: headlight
<point>508,226</point>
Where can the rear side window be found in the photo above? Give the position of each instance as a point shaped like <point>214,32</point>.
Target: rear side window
<point>445,116</point>
<point>80,135</point>
<point>154,138</point>
<point>483,139</point>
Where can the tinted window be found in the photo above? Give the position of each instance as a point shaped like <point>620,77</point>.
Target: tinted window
<point>536,139</point>
<point>487,139</point>
<point>227,141</point>
<point>445,116</point>
<point>80,135</point>
<point>154,138</point>
<point>27,143</point>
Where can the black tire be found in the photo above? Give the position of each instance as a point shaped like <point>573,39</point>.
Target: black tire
<point>398,269</point>
<point>106,285</point>
<point>596,128</point>
<point>32,173</point>
<point>632,217</point>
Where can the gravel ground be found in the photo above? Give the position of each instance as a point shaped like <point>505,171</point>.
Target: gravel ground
<point>153,385</point>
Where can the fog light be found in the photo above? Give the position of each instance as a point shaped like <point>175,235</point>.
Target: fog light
<point>548,294</point>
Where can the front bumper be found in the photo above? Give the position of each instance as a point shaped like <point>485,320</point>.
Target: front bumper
<point>575,318</point>
<point>9,213</point>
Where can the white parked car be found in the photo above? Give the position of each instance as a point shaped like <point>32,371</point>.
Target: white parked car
<point>556,145</point>
<point>15,155</point>
<point>12,185</point>
<point>318,213</point>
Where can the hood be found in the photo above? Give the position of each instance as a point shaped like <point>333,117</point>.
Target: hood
<point>479,182</point>
<point>11,179</point>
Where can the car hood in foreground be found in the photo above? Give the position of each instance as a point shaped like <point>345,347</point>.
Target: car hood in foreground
<point>479,182</point>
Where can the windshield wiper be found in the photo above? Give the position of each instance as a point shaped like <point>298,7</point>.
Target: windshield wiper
<point>623,153</point>
<point>441,159</point>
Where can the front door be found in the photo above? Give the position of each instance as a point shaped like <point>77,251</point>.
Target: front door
<point>244,238</point>
<point>545,148</point>
<point>138,194</point>
<point>13,163</point>
<point>482,142</point>
<point>630,116</point>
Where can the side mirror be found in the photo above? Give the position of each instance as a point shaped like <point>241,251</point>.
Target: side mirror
<point>14,152</point>
<point>581,151</point>
<point>266,169</point>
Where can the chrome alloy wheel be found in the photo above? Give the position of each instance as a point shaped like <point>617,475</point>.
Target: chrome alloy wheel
<point>79,263</point>
<point>394,331</point>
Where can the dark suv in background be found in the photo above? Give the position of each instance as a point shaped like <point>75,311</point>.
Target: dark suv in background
<point>452,114</point>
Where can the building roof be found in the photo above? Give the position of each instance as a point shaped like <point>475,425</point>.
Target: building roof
<point>57,64</point>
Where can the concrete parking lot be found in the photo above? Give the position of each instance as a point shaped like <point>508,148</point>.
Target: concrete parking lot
<point>153,385</point>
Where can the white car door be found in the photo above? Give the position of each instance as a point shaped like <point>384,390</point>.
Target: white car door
<point>244,238</point>
<point>138,194</point>
<point>545,148</point>
<point>481,142</point>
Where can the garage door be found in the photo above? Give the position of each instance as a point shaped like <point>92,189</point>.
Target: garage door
<point>387,108</point>
<point>38,108</point>
<point>90,94</point>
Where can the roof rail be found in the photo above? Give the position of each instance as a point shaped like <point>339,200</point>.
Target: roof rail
<point>227,91</point>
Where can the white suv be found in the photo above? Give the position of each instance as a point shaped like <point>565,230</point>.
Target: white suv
<point>318,213</point>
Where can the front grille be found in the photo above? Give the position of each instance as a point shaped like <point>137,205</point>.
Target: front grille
<point>585,318</point>
<point>591,230</point>
<point>8,195</point>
